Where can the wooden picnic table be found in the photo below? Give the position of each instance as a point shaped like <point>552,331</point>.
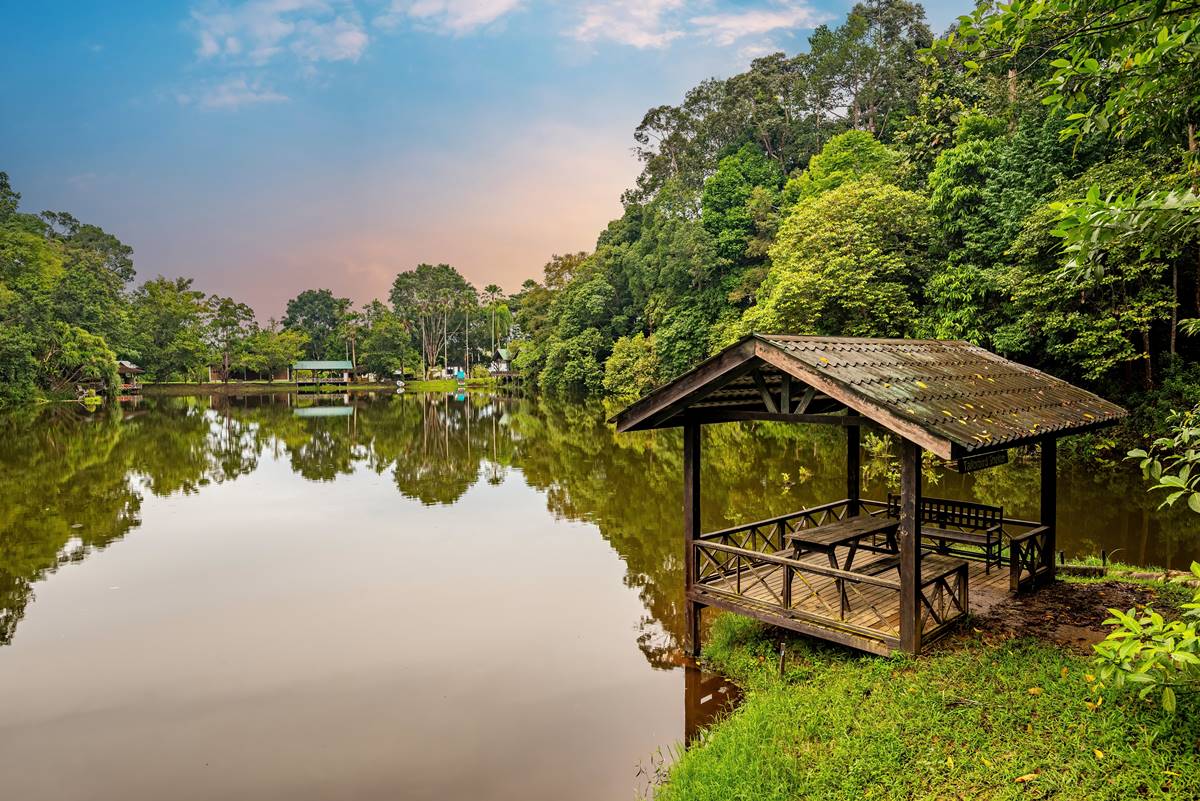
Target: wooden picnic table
<point>847,533</point>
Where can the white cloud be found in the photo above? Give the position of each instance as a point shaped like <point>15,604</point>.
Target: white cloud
<point>755,50</point>
<point>232,93</point>
<point>637,23</point>
<point>449,16</point>
<point>337,40</point>
<point>727,28</point>
<point>258,31</point>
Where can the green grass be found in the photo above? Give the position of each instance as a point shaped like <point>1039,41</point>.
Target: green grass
<point>960,722</point>
<point>447,384</point>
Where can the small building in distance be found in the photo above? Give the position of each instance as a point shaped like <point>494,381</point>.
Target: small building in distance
<point>322,372</point>
<point>129,373</point>
<point>501,361</point>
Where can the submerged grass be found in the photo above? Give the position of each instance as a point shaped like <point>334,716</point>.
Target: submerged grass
<point>981,717</point>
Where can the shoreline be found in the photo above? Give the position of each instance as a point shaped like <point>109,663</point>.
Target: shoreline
<point>1011,706</point>
<point>265,388</point>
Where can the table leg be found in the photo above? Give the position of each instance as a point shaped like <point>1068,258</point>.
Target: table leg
<point>839,583</point>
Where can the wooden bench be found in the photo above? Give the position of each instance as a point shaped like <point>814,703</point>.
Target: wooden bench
<point>949,523</point>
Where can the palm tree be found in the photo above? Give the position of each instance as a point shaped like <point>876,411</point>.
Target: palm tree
<point>492,293</point>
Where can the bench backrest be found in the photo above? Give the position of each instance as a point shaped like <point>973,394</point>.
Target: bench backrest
<point>944,512</point>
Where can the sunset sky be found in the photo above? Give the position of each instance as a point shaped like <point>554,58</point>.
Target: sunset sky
<point>269,146</point>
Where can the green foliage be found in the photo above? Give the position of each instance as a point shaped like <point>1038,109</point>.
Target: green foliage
<point>1125,67</point>
<point>726,200</point>
<point>960,722</point>
<point>1173,462</point>
<point>272,350</point>
<point>62,310</point>
<point>76,356</point>
<point>849,156</point>
<point>1160,657</point>
<point>1122,73</point>
<point>632,369</point>
<point>1092,328</point>
<point>387,344</point>
<point>167,325</point>
<point>427,297</point>
<point>850,262</point>
<point>318,314</point>
<point>230,326</point>
<point>574,366</point>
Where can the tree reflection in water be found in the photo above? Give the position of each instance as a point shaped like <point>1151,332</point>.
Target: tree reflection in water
<point>72,483</point>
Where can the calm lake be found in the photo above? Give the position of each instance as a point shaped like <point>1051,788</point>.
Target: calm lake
<point>393,596</point>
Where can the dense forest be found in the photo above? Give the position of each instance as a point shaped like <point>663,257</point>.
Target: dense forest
<point>1025,181</point>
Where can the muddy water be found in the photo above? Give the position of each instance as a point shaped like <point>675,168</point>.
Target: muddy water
<point>418,597</point>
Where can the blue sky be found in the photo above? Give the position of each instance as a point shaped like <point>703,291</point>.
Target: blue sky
<point>268,146</point>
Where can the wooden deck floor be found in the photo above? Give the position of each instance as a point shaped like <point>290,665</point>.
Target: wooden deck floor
<point>872,618</point>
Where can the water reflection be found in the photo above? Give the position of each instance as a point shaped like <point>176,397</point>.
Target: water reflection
<point>72,483</point>
<point>707,697</point>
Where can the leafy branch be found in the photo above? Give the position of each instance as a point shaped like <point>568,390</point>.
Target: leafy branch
<point>1157,655</point>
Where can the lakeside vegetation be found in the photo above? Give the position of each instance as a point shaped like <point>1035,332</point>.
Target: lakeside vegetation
<point>1025,182</point>
<point>984,716</point>
<point>69,312</point>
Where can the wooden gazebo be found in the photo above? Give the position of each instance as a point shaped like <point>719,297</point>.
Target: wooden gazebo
<point>876,574</point>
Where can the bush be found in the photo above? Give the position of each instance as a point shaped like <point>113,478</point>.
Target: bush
<point>632,369</point>
<point>1159,656</point>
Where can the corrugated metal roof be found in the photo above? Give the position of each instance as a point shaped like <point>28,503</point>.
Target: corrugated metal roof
<point>948,392</point>
<point>961,391</point>
<point>323,365</point>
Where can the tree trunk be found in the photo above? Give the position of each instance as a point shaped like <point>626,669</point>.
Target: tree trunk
<point>1195,168</point>
<point>1174,306</point>
<point>1149,376</point>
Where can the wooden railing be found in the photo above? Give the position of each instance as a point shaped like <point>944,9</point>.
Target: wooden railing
<point>1029,559</point>
<point>770,535</point>
<point>752,566</point>
<point>792,588</point>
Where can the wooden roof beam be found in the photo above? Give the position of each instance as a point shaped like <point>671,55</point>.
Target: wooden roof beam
<point>885,417</point>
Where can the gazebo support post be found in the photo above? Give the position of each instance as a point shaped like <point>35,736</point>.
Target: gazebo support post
<point>910,547</point>
<point>1049,503</point>
<point>853,469</point>
<point>691,528</point>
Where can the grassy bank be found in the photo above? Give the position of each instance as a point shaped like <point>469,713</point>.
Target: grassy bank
<point>448,385</point>
<point>245,388</point>
<point>983,716</point>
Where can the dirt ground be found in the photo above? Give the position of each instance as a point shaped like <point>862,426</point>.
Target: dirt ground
<point>1070,614</point>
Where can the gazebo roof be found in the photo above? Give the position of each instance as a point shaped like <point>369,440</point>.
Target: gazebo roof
<point>323,365</point>
<point>951,397</point>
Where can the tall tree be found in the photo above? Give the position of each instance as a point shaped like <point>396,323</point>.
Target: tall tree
<point>318,313</point>
<point>427,297</point>
<point>167,322</point>
<point>229,328</point>
<point>491,296</point>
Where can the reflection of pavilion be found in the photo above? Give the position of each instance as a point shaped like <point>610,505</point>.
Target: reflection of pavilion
<point>706,697</point>
<point>323,411</point>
